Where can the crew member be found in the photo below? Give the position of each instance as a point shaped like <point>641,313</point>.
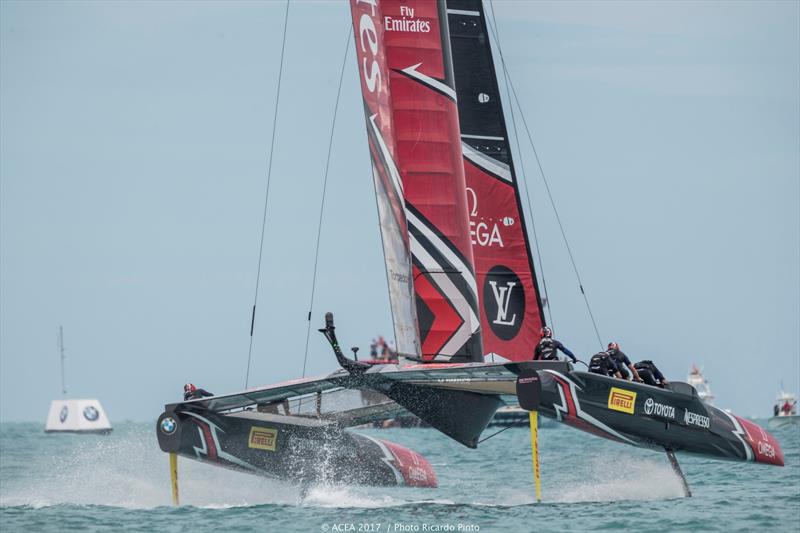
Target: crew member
<point>622,361</point>
<point>602,363</point>
<point>384,349</point>
<point>547,349</point>
<point>373,350</point>
<point>650,373</point>
<point>190,392</point>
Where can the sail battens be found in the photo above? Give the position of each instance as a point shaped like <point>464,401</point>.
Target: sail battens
<point>510,307</point>
<point>453,257</point>
<point>433,83</point>
<point>463,12</point>
<point>482,137</point>
<point>446,278</point>
<point>501,170</point>
<point>407,82</point>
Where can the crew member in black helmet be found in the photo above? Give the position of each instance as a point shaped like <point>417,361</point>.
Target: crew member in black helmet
<point>548,347</point>
<point>650,373</point>
<point>622,361</point>
<point>602,363</point>
<point>190,392</point>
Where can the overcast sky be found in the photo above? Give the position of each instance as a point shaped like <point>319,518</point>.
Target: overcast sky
<point>134,144</point>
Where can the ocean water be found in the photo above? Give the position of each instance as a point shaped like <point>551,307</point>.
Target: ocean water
<point>121,482</point>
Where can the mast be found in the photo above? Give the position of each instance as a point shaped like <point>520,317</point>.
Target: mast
<point>510,305</point>
<point>408,88</point>
<point>61,352</point>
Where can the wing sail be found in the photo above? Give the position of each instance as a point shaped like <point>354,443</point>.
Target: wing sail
<point>403,52</point>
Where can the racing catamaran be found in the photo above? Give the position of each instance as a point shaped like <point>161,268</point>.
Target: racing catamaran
<point>463,293</point>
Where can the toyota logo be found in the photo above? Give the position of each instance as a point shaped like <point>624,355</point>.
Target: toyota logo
<point>648,406</point>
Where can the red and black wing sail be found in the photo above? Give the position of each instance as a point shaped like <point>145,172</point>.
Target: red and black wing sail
<point>510,306</point>
<point>409,96</point>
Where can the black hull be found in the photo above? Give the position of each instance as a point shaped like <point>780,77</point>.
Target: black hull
<point>290,448</point>
<point>674,419</point>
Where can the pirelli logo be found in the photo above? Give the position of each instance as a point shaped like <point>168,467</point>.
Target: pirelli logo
<point>262,438</point>
<point>621,400</point>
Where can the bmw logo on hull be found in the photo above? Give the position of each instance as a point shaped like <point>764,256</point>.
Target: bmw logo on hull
<point>63,414</point>
<point>504,302</point>
<point>90,413</point>
<point>168,425</point>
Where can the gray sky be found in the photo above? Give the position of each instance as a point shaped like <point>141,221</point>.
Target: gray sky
<point>134,140</point>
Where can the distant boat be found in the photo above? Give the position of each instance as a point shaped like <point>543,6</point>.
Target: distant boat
<point>784,411</point>
<point>517,417</point>
<point>700,384</point>
<point>75,416</point>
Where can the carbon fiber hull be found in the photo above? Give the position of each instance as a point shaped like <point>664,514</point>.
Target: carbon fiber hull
<point>290,448</point>
<point>671,418</point>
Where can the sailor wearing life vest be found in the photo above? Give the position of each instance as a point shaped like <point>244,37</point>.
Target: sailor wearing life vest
<point>190,392</point>
<point>547,349</point>
<point>602,363</point>
<point>622,361</point>
<point>650,373</point>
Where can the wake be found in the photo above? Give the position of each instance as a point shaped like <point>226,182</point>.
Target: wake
<point>127,470</point>
<point>629,478</point>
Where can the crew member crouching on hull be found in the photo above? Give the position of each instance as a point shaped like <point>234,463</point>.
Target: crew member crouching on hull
<point>650,373</point>
<point>602,363</point>
<point>547,349</point>
<point>190,392</point>
<point>622,362</point>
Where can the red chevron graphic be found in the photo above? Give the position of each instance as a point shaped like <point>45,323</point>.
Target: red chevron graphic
<point>211,448</point>
<point>446,319</point>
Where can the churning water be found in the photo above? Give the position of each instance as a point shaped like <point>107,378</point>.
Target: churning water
<point>121,482</point>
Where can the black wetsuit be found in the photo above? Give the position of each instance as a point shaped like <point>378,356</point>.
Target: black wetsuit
<point>603,363</point>
<point>649,373</point>
<point>622,361</point>
<point>547,348</point>
<point>195,394</point>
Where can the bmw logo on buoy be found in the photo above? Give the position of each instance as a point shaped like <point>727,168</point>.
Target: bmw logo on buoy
<point>63,414</point>
<point>91,414</point>
<point>168,425</point>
